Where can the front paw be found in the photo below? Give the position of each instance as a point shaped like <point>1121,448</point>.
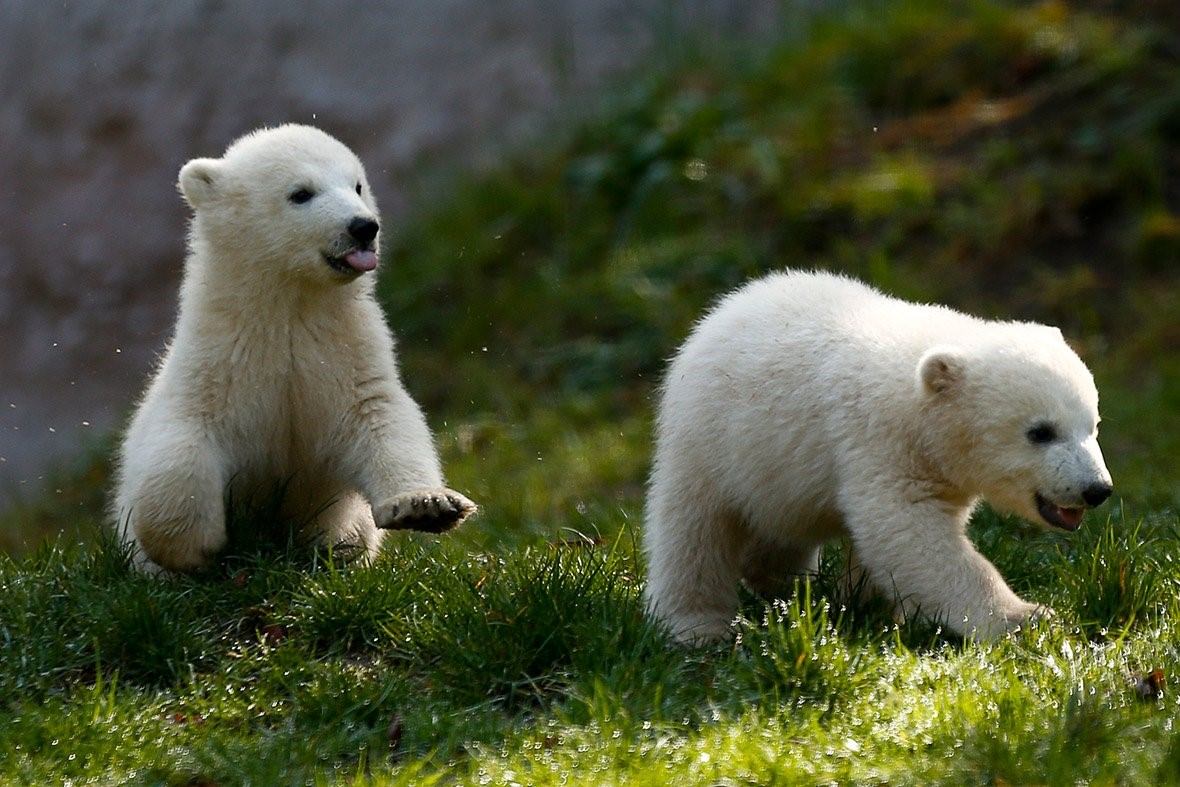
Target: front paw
<point>1026,614</point>
<point>1041,613</point>
<point>1014,618</point>
<point>427,510</point>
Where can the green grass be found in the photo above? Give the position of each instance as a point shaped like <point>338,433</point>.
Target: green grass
<point>1012,160</point>
<point>538,661</point>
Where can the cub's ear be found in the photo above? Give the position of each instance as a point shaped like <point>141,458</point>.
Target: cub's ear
<point>940,370</point>
<point>1050,331</point>
<point>198,181</point>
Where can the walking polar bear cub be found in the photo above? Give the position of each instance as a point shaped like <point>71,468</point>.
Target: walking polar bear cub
<point>806,407</point>
<point>281,369</point>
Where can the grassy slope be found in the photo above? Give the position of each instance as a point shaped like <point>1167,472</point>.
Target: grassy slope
<point>1012,162</point>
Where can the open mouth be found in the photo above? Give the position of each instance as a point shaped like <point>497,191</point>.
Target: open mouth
<point>1059,516</point>
<point>354,262</point>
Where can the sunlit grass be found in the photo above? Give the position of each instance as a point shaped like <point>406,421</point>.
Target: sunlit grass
<point>540,662</point>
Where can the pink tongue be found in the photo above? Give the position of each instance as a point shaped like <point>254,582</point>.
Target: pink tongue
<point>1072,516</point>
<point>361,261</point>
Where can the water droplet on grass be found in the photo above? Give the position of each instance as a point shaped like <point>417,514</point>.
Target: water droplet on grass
<point>696,169</point>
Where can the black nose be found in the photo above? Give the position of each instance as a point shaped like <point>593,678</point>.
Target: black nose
<point>1096,494</point>
<point>363,230</point>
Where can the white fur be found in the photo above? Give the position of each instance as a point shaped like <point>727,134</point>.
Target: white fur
<point>281,370</point>
<point>806,407</point>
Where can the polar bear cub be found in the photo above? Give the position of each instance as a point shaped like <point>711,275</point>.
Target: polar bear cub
<point>806,407</point>
<point>281,369</point>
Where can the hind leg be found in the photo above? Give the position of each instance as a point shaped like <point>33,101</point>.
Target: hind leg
<point>693,566</point>
<point>770,569</point>
<point>855,584</point>
<point>338,518</point>
<point>170,500</point>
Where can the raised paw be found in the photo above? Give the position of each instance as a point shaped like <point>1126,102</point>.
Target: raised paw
<point>427,510</point>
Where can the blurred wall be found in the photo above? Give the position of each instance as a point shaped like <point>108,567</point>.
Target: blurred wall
<point>101,103</point>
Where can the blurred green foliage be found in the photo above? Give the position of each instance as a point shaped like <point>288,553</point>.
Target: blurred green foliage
<point>1014,161</point>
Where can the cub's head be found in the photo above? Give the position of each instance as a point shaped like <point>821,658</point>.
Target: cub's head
<point>1017,422</point>
<point>290,196</point>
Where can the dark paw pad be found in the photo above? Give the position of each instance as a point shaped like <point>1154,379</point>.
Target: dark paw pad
<point>430,511</point>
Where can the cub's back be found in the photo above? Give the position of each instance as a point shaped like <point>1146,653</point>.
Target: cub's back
<point>771,338</point>
<point>782,374</point>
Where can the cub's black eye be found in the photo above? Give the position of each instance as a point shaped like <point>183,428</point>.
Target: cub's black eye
<point>1041,433</point>
<point>358,188</point>
<point>300,196</point>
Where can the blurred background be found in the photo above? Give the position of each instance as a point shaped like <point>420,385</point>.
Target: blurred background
<point>100,106</point>
<point>566,185</point>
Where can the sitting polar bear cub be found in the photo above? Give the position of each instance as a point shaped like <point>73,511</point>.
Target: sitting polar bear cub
<point>807,406</point>
<point>281,369</point>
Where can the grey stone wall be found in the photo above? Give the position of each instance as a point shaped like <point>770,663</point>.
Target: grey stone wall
<point>101,103</point>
